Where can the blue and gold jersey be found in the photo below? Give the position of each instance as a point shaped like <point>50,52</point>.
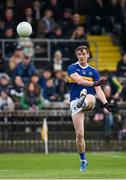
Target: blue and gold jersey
<point>88,73</point>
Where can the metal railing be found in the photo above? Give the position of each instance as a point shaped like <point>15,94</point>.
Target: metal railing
<point>21,131</point>
<point>44,48</point>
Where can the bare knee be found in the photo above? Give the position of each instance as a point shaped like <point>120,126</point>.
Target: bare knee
<point>80,135</point>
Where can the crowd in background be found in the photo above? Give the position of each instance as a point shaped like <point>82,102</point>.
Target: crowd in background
<point>56,19</point>
<point>22,86</point>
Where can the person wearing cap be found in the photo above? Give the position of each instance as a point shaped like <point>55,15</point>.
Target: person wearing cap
<point>5,82</point>
<point>84,82</point>
<point>6,103</point>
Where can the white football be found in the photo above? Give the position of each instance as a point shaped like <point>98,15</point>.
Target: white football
<point>24,29</point>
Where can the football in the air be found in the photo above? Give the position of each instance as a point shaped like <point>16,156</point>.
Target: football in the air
<point>24,29</point>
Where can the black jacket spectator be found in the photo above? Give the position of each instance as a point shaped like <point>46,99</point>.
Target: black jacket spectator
<point>17,89</point>
<point>121,67</point>
<point>9,45</point>
<point>76,21</point>
<point>46,24</point>
<point>49,93</point>
<point>9,18</point>
<point>30,18</point>
<point>66,21</point>
<point>55,7</point>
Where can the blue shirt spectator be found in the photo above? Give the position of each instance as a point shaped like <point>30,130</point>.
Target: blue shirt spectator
<point>24,69</point>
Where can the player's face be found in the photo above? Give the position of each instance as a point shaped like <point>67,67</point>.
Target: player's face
<point>82,56</point>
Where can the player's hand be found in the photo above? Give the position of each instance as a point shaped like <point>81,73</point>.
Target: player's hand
<point>101,82</point>
<point>110,107</point>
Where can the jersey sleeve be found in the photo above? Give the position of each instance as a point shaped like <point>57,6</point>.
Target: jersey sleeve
<point>71,69</point>
<point>96,75</point>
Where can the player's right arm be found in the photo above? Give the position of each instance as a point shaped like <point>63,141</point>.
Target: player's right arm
<point>79,80</point>
<point>72,72</point>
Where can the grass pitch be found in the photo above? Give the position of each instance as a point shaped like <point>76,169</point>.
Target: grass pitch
<point>62,166</point>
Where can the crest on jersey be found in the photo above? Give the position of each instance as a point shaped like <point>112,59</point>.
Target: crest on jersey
<point>84,72</point>
<point>90,73</point>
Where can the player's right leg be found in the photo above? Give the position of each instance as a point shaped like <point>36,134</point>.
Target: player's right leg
<point>78,122</point>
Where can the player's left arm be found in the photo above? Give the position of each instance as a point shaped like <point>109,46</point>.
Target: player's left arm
<point>100,92</point>
<point>101,96</point>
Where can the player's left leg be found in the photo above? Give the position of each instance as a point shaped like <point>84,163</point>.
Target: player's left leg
<point>88,103</point>
<point>78,122</point>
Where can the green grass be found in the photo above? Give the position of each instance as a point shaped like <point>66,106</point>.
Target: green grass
<point>62,166</point>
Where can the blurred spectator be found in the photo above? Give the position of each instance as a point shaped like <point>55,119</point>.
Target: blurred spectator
<point>102,115</point>
<point>57,33</point>
<point>32,98</point>
<point>79,34</point>
<point>21,5</point>
<point>37,9</point>
<point>122,20</point>
<point>49,92</point>
<point>55,7</point>
<point>66,21</point>
<point>28,49</point>
<point>99,113</point>
<point>66,88</point>
<point>9,33</point>
<point>10,3</point>
<point>6,103</point>
<point>28,16</point>
<point>5,83</point>
<point>115,17</point>
<point>123,93</point>
<point>58,62</point>
<point>27,45</point>
<point>61,85</point>
<point>95,19</point>
<point>35,78</point>
<point>2,64</point>
<point>109,118</point>
<point>16,58</point>
<point>17,89</point>
<point>46,24</point>
<point>2,25</point>
<point>25,69</point>
<point>55,45</point>
<point>47,74</point>
<point>121,67</point>
<point>9,45</point>
<point>94,25</point>
<point>76,21</point>
<point>116,86</point>
<point>122,134</point>
<point>9,19</point>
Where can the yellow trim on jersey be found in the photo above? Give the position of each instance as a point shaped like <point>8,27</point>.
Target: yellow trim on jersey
<point>84,77</point>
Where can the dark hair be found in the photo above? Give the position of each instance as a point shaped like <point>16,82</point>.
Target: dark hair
<point>81,48</point>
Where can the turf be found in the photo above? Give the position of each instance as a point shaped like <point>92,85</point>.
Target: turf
<point>62,166</point>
